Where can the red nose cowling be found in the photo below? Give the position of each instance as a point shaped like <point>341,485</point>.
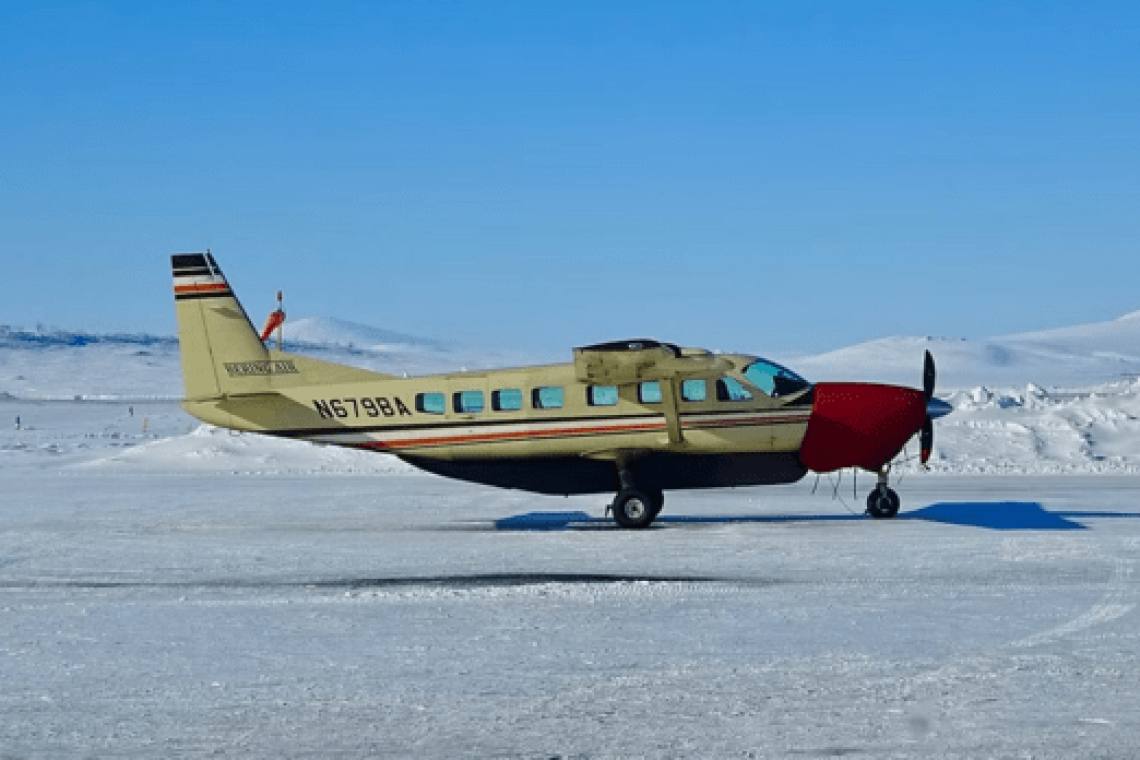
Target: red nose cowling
<point>860,425</point>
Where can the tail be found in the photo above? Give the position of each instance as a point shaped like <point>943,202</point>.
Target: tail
<point>223,356</point>
<point>221,351</point>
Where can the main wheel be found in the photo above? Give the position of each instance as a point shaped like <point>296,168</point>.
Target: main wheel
<point>658,498</point>
<point>635,509</point>
<point>882,503</point>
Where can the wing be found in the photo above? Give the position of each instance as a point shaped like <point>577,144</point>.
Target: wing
<point>635,361</point>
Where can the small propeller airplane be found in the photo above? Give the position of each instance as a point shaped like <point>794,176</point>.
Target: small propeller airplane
<point>633,417</point>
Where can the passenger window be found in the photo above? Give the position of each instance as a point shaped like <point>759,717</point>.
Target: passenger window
<point>602,395</point>
<point>649,393</point>
<point>694,390</point>
<point>506,400</point>
<point>430,403</point>
<point>546,398</point>
<point>467,402</point>
<point>728,389</point>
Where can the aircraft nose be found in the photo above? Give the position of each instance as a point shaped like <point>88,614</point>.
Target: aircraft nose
<point>860,425</point>
<point>936,408</point>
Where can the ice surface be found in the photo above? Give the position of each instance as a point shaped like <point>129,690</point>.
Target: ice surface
<point>273,615</point>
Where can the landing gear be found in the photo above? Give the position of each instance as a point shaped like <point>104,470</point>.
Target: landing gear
<point>882,503</point>
<point>635,509</point>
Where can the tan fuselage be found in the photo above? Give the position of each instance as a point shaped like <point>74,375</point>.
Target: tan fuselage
<point>382,414</point>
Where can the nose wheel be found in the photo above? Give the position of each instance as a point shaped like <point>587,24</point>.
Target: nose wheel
<point>882,503</point>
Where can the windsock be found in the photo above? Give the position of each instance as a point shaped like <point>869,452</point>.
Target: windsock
<point>274,321</point>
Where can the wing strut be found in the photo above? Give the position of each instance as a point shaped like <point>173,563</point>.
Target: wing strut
<point>672,413</point>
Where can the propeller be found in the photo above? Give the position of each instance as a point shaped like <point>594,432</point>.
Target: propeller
<point>935,408</point>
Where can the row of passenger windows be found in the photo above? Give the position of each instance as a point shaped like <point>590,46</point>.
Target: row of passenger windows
<point>553,397</point>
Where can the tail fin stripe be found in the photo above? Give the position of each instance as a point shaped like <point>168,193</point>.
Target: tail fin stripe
<point>202,287</point>
<point>188,260</point>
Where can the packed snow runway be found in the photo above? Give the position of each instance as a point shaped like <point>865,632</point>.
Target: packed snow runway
<point>163,614</point>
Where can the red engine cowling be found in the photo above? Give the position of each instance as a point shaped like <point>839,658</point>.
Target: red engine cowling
<point>860,425</point>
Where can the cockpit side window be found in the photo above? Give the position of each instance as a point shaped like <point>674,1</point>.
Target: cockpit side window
<point>730,389</point>
<point>773,379</point>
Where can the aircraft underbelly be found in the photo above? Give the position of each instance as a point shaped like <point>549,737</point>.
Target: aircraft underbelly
<point>664,470</point>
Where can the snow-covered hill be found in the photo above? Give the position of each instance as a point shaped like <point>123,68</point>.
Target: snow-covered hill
<point>68,365</point>
<point>329,331</point>
<point>1069,357</point>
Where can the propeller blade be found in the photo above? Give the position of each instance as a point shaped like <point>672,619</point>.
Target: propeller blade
<point>926,440</point>
<point>928,375</point>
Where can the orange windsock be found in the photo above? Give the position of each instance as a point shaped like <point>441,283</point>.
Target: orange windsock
<point>272,323</point>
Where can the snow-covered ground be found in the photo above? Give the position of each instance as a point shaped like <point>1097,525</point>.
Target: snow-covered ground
<point>159,614</point>
<point>171,589</point>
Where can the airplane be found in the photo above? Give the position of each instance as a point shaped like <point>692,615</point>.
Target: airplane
<point>635,417</point>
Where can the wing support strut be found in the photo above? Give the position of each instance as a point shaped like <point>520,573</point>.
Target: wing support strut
<point>672,412</point>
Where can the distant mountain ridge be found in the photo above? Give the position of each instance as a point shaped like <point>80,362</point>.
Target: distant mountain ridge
<point>16,338</point>
<point>329,331</point>
<point>314,331</point>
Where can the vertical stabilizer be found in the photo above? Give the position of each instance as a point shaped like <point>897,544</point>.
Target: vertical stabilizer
<point>219,344</point>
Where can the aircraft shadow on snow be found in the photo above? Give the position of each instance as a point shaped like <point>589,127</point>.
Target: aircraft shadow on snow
<point>994,515</point>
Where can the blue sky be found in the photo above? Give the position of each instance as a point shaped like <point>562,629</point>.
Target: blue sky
<point>752,176</point>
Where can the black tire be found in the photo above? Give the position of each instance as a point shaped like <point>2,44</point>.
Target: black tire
<point>658,502</point>
<point>882,503</point>
<point>635,509</point>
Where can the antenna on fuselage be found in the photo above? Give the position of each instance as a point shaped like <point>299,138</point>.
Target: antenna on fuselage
<point>281,324</point>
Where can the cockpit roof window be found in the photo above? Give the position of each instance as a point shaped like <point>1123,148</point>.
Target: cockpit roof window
<point>773,379</point>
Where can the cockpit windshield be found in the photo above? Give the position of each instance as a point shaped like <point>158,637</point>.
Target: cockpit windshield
<point>773,379</point>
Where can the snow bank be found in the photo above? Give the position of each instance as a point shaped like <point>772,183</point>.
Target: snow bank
<point>211,449</point>
<point>1032,431</point>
